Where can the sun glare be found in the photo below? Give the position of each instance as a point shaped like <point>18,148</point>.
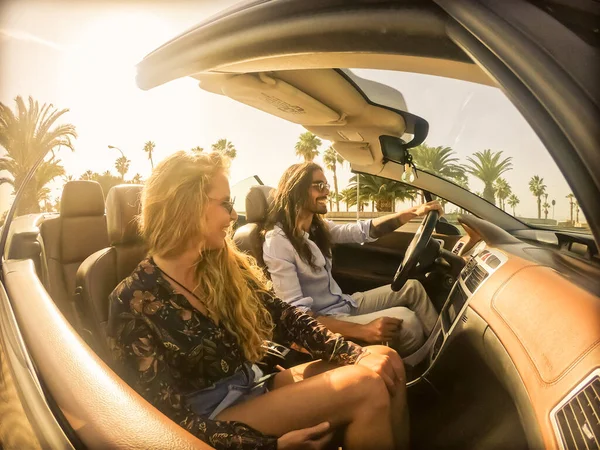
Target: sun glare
<point>97,83</point>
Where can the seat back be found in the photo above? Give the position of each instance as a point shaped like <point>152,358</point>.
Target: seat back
<point>68,239</point>
<point>247,237</point>
<point>104,270</point>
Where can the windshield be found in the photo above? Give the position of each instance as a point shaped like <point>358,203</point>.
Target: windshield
<point>239,191</point>
<point>478,140</point>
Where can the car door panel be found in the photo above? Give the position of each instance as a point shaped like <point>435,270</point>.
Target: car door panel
<point>359,267</point>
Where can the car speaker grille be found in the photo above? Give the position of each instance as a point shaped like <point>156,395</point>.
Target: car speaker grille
<point>493,261</point>
<point>579,419</point>
<point>476,278</point>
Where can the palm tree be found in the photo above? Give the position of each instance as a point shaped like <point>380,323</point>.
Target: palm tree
<point>26,135</point>
<point>438,161</point>
<point>198,149</point>
<point>3,217</point>
<point>331,159</point>
<point>149,149</point>
<point>576,212</point>
<point>571,198</point>
<point>87,175</point>
<point>538,189</point>
<point>462,180</point>
<point>546,207</point>
<point>106,180</point>
<point>513,201</point>
<point>226,147</point>
<point>122,166</point>
<point>488,167</point>
<point>348,196</point>
<point>137,179</point>
<point>382,191</point>
<point>307,146</point>
<point>503,190</point>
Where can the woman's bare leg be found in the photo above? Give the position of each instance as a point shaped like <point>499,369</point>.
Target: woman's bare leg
<point>350,396</point>
<point>399,411</point>
<point>301,372</point>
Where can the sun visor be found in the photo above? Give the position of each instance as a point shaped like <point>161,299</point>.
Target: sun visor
<point>355,152</point>
<point>279,98</point>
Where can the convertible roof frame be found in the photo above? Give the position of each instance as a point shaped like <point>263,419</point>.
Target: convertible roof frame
<point>553,80</point>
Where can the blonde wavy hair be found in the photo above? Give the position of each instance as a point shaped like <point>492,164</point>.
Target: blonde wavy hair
<point>229,282</point>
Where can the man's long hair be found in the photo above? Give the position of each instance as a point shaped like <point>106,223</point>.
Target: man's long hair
<point>291,196</point>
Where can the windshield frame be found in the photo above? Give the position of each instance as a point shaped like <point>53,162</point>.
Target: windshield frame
<point>13,208</point>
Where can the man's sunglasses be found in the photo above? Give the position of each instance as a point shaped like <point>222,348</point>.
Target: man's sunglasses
<point>321,186</point>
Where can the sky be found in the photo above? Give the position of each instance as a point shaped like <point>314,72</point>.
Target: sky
<point>81,56</point>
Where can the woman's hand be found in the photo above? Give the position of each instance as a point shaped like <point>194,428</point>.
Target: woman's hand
<point>385,362</point>
<point>314,438</point>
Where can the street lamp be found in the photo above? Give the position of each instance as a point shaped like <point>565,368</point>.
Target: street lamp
<point>117,148</point>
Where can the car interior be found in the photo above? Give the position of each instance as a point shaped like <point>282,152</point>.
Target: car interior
<point>514,359</point>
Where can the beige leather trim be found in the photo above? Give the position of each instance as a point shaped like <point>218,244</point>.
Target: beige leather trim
<point>323,101</point>
<point>102,408</point>
<point>470,239</point>
<point>405,63</point>
<point>82,198</point>
<point>564,339</point>
<point>549,327</point>
<point>122,207</point>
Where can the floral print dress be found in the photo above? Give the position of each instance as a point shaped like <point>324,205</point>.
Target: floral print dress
<point>166,349</point>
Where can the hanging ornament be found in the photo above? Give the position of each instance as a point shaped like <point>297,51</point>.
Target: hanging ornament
<point>409,174</point>
<point>405,173</point>
<point>410,171</point>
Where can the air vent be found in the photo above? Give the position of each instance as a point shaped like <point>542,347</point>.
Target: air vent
<point>468,268</point>
<point>578,420</point>
<point>457,247</point>
<point>476,278</point>
<point>464,319</point>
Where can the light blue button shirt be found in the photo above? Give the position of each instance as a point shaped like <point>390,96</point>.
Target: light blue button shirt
<point>296,283</point>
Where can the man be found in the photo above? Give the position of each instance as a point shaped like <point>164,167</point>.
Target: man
<point>297,252</point>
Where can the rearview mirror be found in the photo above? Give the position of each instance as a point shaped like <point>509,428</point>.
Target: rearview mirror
<point>394,149</point>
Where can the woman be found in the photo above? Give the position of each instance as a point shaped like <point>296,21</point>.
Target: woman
<point>190,322</point>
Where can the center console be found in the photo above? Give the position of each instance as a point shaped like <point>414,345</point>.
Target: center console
<point>479,268</point>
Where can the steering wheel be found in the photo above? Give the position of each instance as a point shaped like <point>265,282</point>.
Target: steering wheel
<point>416,250</point>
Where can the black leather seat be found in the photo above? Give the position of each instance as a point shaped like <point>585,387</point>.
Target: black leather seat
<point>68,239</point>
<point>247,238</point>
<point>100,273</point>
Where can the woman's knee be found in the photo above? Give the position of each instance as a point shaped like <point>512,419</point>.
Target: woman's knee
<point>360,385</point>
<point>386,350</point>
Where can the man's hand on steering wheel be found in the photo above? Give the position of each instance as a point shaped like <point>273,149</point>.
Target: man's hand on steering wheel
<point>423,209</point>
<point>417,249</point>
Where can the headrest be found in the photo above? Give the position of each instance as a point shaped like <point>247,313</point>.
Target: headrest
<point>82,199</point>
<point>122,207</point>
<point>258,200</point>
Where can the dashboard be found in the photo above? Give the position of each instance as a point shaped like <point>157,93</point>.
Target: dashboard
<point>545,326</point>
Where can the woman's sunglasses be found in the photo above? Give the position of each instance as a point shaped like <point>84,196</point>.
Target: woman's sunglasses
<point>227,204</point>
